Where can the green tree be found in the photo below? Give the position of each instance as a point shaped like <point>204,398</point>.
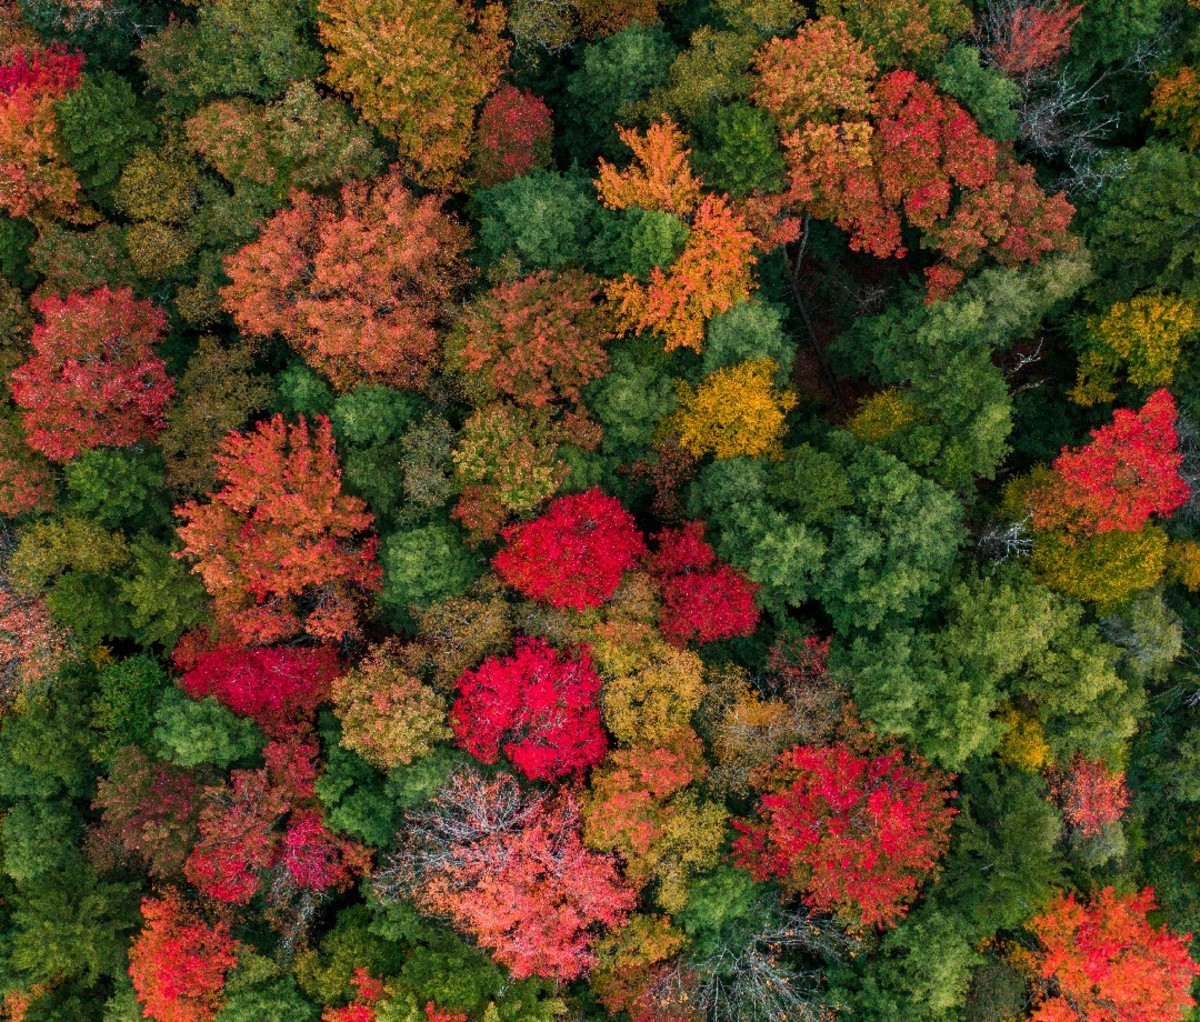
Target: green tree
<point>192,732</point>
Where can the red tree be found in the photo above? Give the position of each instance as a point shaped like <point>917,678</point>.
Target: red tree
<point>178,962</point>
<point>513,136</point>
<point>855,835</point>
<point>1102,961</point>
<point>280,546</point>
<point>1029,37</point>
<point>538,705</point>
<point>1128,472</point>
<point>26,480</point>
<point>93,378</point>
<point>53,71</point>
<point>318,859</point>
<point>535,340</point>
<point>574,554</point>
<point>1090,795</point>
<point>32,647</point>
<point>356,285</point>
<point>511,870</point>
<point>702,601</point>
<point>276,687</point>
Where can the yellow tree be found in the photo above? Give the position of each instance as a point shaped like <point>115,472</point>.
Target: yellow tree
<point>734,412</point>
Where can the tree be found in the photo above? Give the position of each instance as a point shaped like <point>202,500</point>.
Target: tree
<point>279,534</point>
<point>1100,959</point>
<point>536,340</point>
<point>651,689</point>
<point>422,87</point>
<point>178,962</point>
<point>1029,38</point>
<point>32,647</point>
<point>509,869</point>
<point>574,554</point>
<point>855,835</point>
<point>711,275</point>
<point>388,716</point>
<point>640,805</point>
<point>1128,472</point>
<point>276,688</point>
<point>150,809</point>
<point>356,285</point>
<point>26,479</point>
<point>93,377</point>
<point>512,137</point>
<point>35,182</point>
<point>659,179</point>
<point>735,412</point>
<point>538,706</point>
<point>1090,794</point>
<point>1175,106</point>
<point>902,33</point>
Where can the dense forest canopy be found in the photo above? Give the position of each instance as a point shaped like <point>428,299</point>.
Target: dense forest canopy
<point>535,510</point>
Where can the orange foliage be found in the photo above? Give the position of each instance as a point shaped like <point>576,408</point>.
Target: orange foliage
<point>661,176</point>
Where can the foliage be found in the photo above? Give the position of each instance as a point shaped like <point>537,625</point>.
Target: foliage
<point>512,137</point>
<point>452,57</point>
<point>278,530</point>
<point>368,317</point>
<point>735,412</point>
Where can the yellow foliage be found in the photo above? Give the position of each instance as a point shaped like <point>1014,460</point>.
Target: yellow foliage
<point>651,695</point>
<point>1104,569</point>
<point>1146,334</point>
<point>1024,744</point>
<point>881,415</point>
<point>736,411</point>
<point>1183,564</point>
<point>661,176</point>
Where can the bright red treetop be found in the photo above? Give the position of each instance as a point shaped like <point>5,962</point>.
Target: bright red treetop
<point>855,835</point>
<point>512,137</point>
<point>702,601</point>
<point>510,869</point>
<point>355,285</point>
<point>1031,36</point>
<point>94,377</point>
<point>574,554</point>
<point>1128,472</point>
<point>539,705</point>
<point>280,546</point>
<point>53,71</point>
<point>276,687</point>
<point>178,962</point>
<point>1102,961</point>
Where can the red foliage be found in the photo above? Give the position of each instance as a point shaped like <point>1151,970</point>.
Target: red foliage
<point>1034,37</point>
<point>32,647</point>
<point>275,687</point>
<point>1128,472</point>
<point>317,858</point>
<point>538,705</point>
<point>856,835</point>
<point>280,546</point>
<point>510,869</point>
<point>574,554</point>
<point>513,136</point>
<point>799,663</point>
<point>52,71</point>
<point>1102,961</point>
<point>26,481</point>
<point>369,991</point>
<point>703,606</point>
<point>93,378</point>
<point>435,1014</point>
<point>178,962</point>
<point>357,285</point>
<point>702,601</point>
<point>1090,795</point>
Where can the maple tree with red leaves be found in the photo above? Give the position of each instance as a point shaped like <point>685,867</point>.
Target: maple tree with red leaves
<point>1128,472</point>
<point>356,284</point>
<point>93,377</point>
<point>27,483</point>
<point>277,687</point>
<point>856,835</point>
<point>702,601</point>
<point>509,868</point>
<point>1028,38</point>
<point>318,859</point>
<point>574,554</point>
<point>1100,960</point>
<point>512,137</point>
<point>536,340</point>
<point>32,647</point>
<point>178,962</point>
<point>538,706</point>
<point>368,991</point>
<point>280,547</point>
<point>1090,794</point>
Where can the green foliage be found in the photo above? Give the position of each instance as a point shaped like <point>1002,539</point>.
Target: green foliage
<point>372,415</point>
<point>101,125</point>
<point>741,152</point>
<point>302,391</point>
<point>636,241</point>
<point>749,331</point>
<point>195,731</point>
<point>277,1001</point>
<point>116,486</point>
<point>989,97</point>
<point>124,708</point>
<point>425,564</point>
